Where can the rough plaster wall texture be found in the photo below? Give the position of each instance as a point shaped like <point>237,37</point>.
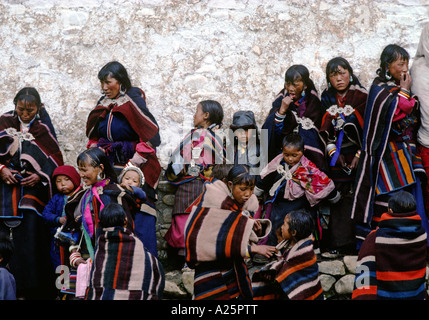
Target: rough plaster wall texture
<point>181,52</point>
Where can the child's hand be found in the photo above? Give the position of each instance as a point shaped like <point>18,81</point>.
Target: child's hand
<point>126,186</point>
<point>405,81</point>
<point>264,250</point>
<point>257,227</point>
<point>62,220</point>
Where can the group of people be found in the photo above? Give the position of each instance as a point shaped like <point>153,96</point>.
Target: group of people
<point>361,154</point>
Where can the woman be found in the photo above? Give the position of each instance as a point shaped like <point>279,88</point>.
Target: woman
<point>296,108</point>
<point>341,131</point>
<point>124,128</point>
<point>29,154</point>
<point>83,208</point>
<point>420,87</point>
<point>388,161</point>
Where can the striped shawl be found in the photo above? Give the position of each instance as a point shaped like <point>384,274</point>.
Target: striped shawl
<point>36,151</point>
<point>123,269</point>
<point>379,137</point>
<point>213,152</point>
<point>295,275</point>
<point>392,260</point>
<point>131,106</point>
<point>217,238</point>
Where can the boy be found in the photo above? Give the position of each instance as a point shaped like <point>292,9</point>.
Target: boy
<point>295,273</point>
<point>392,260</point>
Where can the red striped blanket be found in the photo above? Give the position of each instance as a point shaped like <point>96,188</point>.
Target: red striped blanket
<point>123,269</point>
<point>295,275</point>
<point>392,260</point>
<point>217,236</point>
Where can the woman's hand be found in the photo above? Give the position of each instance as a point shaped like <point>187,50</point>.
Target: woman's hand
<point>264,250</point>
<point>285,105</point>
<point>31,180</point>
<point>7,175</point>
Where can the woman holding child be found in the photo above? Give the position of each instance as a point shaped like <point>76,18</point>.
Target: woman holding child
<point>388,161</point>
<point>29,154</point>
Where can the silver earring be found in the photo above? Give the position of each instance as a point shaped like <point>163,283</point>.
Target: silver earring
<point>388,75</point>
<point>101,176</point>
<point>351,79</point>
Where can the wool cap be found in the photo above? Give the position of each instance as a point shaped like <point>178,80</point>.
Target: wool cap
<point>129,167</point>
<point>243,119</point>
<point>68,171</point>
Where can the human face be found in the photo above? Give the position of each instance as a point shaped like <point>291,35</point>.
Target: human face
<point>340,79</point>
<point>286,233</point>
<point>64,184</point>
<point>131,178</point>
<point>88,173</point>
<point>200,117</point>
<point>241,192</point>
<point>26,110</point>
<point>295,89</point>
<point>398,68</point>
<point>111,87</point>
<point>292,155</point>
<point>243,135</point>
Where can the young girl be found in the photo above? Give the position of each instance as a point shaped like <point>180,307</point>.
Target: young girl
<point>293,182</point>
<point>190,166</point>
<point>389,160</point>
<point>294,274</point>
<point>83,208</point>
<point>341,131</point>
<point>296,109</point>
<point>220,233</point>
<point>132,179</point>
<point>245,146</point>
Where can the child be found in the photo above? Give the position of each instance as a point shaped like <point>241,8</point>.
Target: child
<point>67,181</point>
<point>392,259</point>
<point>220,233</point>
<point>297,108</point>
<point>140,276</point>
<point>293,182</point>
<point>190,166</point>
<point>245,144</point>
<point>294,274</point>
<point>7,281</point>
<point>132,179</point>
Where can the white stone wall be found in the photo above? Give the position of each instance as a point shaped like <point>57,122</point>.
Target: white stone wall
<point>181,52</point>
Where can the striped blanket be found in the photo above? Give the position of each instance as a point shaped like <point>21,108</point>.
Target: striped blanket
<point>217,238</point>
<point>392,260</point>
<point>293,276</point>
<point>387,161</point>
<point>123,269</point>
